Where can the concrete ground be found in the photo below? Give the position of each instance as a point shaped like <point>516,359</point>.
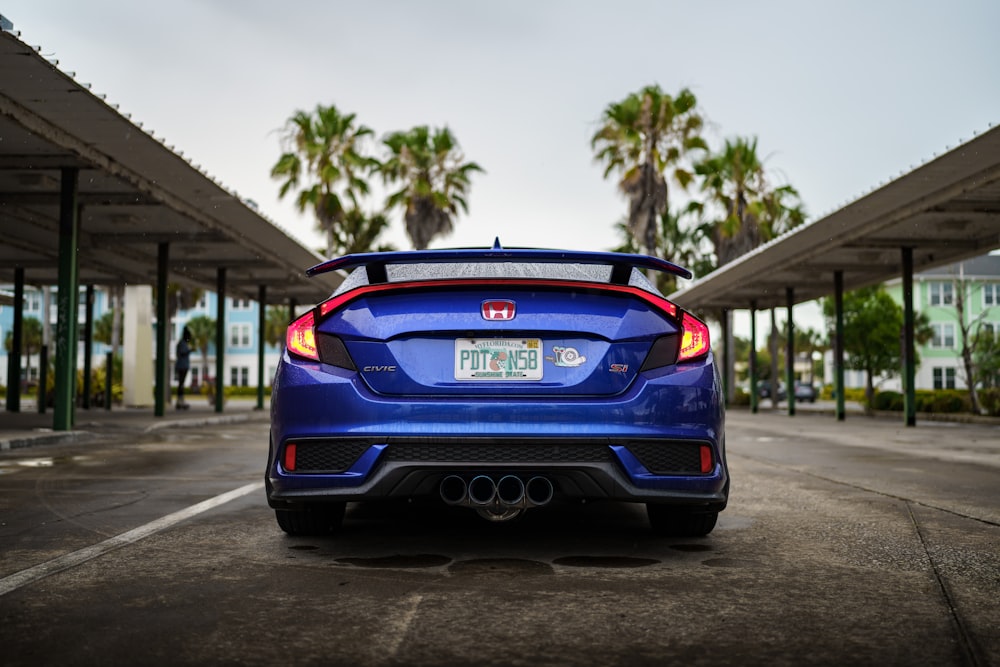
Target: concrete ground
<point>858,542</point>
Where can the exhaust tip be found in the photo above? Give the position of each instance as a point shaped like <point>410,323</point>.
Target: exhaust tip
<point>482,490</point>
<point>510,490</point>
<point>453,490</point>
<point>539,491</point>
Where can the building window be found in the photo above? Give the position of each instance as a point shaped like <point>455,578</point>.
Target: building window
<point>239,376</point>
<point>944,378</point>
<point>239,335</point>
<point>944,336</point>
<point>202,304</point>
<point>241,304</point>
<point>991,295</point>
<point>941,294</point>
<point>32,301</point>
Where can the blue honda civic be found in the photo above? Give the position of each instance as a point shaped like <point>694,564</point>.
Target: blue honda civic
<point>501,380</point>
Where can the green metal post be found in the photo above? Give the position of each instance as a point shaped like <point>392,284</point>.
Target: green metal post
<point>909,353</point>
<point>726,356</point>
<point>109,378</point>
<point>88,335</point>
<point>17,336</point>
<point>220,336</point>
<point>753,357</point>
<point>67,303</point>
<point>161,385</point>
<point>790,353</point>
<point>838,343</point>
<point>43,379</point>
<point>261,324</point>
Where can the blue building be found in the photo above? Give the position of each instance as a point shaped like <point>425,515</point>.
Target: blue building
<point>240,328</point>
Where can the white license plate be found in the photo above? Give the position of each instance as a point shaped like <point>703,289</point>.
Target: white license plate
<point>498,359</point>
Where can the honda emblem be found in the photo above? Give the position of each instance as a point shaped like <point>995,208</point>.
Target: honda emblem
<point>498,310</point>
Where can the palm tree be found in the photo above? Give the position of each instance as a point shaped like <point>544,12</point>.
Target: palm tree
<point>643,137</point>
<point>323,159</point>
<point>202,328</point>
<point>434,179</point>
<point>276,321</point>
<point>677,241</point>
<point>31,340</point>
<point>752,211</point>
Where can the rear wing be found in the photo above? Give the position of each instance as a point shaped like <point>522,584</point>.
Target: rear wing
<point>621,263</point>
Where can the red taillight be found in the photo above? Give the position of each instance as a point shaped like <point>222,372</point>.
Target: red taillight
<point>706,459</point>
<point>301,337</point>
<point>290,457</point>
<point>694,340</point>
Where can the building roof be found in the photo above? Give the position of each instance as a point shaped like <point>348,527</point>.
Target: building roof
<point>134,193</point>
<point>946,210</point>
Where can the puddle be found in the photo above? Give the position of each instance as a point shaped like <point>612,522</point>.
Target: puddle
<point>500,566</point>
<point>729,562</point>
<point>397,561</point>
<point>605,561</point>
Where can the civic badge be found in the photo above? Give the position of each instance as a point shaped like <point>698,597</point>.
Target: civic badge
<point>498,310</point>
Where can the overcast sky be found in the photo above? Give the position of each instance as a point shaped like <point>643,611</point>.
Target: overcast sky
<point>842,96</point>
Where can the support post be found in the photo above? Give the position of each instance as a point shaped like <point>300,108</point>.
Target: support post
<point>161,387</point>
<point>109,378</point>
<point>220,336</point>
<point>790,352</point>
<point>909,352</point>
<point>838,343</point>
<point>43,379</point>
<point>727,360</point>
<point>68,298</point>
<point>88,344</point>
<point>754,398</point>
<point>261,325</point>
<point>17,340</point>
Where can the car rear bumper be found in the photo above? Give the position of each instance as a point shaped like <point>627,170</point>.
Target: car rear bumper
<point>641,446</point>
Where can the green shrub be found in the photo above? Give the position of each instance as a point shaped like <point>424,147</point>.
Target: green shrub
<point>888,400</point>
<point>989,399</point>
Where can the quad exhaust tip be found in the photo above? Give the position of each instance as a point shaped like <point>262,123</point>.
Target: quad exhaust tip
<point>504,498</point>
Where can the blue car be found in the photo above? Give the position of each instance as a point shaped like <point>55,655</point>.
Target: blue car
<point>500,380</point>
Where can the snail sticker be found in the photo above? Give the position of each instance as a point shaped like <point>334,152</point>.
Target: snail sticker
<point>567,357</point>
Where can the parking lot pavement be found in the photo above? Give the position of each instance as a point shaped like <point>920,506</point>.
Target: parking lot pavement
<point>862,542</point>
<point>29,428</point>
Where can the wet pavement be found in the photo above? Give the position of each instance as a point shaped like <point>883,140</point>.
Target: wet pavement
<point>858,542</point>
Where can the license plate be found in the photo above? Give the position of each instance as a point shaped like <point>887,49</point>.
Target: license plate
<point>498,359</point>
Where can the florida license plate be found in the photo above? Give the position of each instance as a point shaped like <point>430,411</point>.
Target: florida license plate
<point>498,359</point>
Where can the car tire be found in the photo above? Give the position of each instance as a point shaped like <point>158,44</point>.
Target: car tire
<point>321,520</point>
<point>672,521</point>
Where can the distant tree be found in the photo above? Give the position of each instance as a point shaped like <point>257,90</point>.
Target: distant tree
<point>752,212</point>
<point>103,326</point>
<point>967,328</point>
<point>433,179</point>
<point>986,355</point>
<point>646,138</point>
<point>676,242</point>
<point>31,340</point>
<point>325,163</point>
<point>202,328</point>
<point>873,325</point>
<point>276,322</point>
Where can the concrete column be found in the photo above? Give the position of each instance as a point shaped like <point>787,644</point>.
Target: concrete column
<point>162,388</point>
<point>261,325</point>
<point>909,350</point>
<point>88,344</point>
<point>220,338</point>
<point>838,343</point>
<point>137,352</point>
<point>790,353</point>
<point>754,398</point>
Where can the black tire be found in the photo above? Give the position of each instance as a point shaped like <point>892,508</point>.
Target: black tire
<point>318,520</point>
<point>672,521</point>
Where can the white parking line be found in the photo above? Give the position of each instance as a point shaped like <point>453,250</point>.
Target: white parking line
<point>42,570</point>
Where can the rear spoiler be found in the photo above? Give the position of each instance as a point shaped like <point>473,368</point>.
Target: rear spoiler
<point>621,263</point>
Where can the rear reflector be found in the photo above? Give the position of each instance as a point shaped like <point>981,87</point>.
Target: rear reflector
<point>706,459</point>
<point>290,457</point>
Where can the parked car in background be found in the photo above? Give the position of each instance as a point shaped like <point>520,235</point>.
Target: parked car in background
<point>805,391</point>
<point>764,389</point>
<point>499,380</point>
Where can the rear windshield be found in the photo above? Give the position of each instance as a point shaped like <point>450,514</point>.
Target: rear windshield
<point>594,273</point>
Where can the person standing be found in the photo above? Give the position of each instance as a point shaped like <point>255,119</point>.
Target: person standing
<point>183,365</point>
